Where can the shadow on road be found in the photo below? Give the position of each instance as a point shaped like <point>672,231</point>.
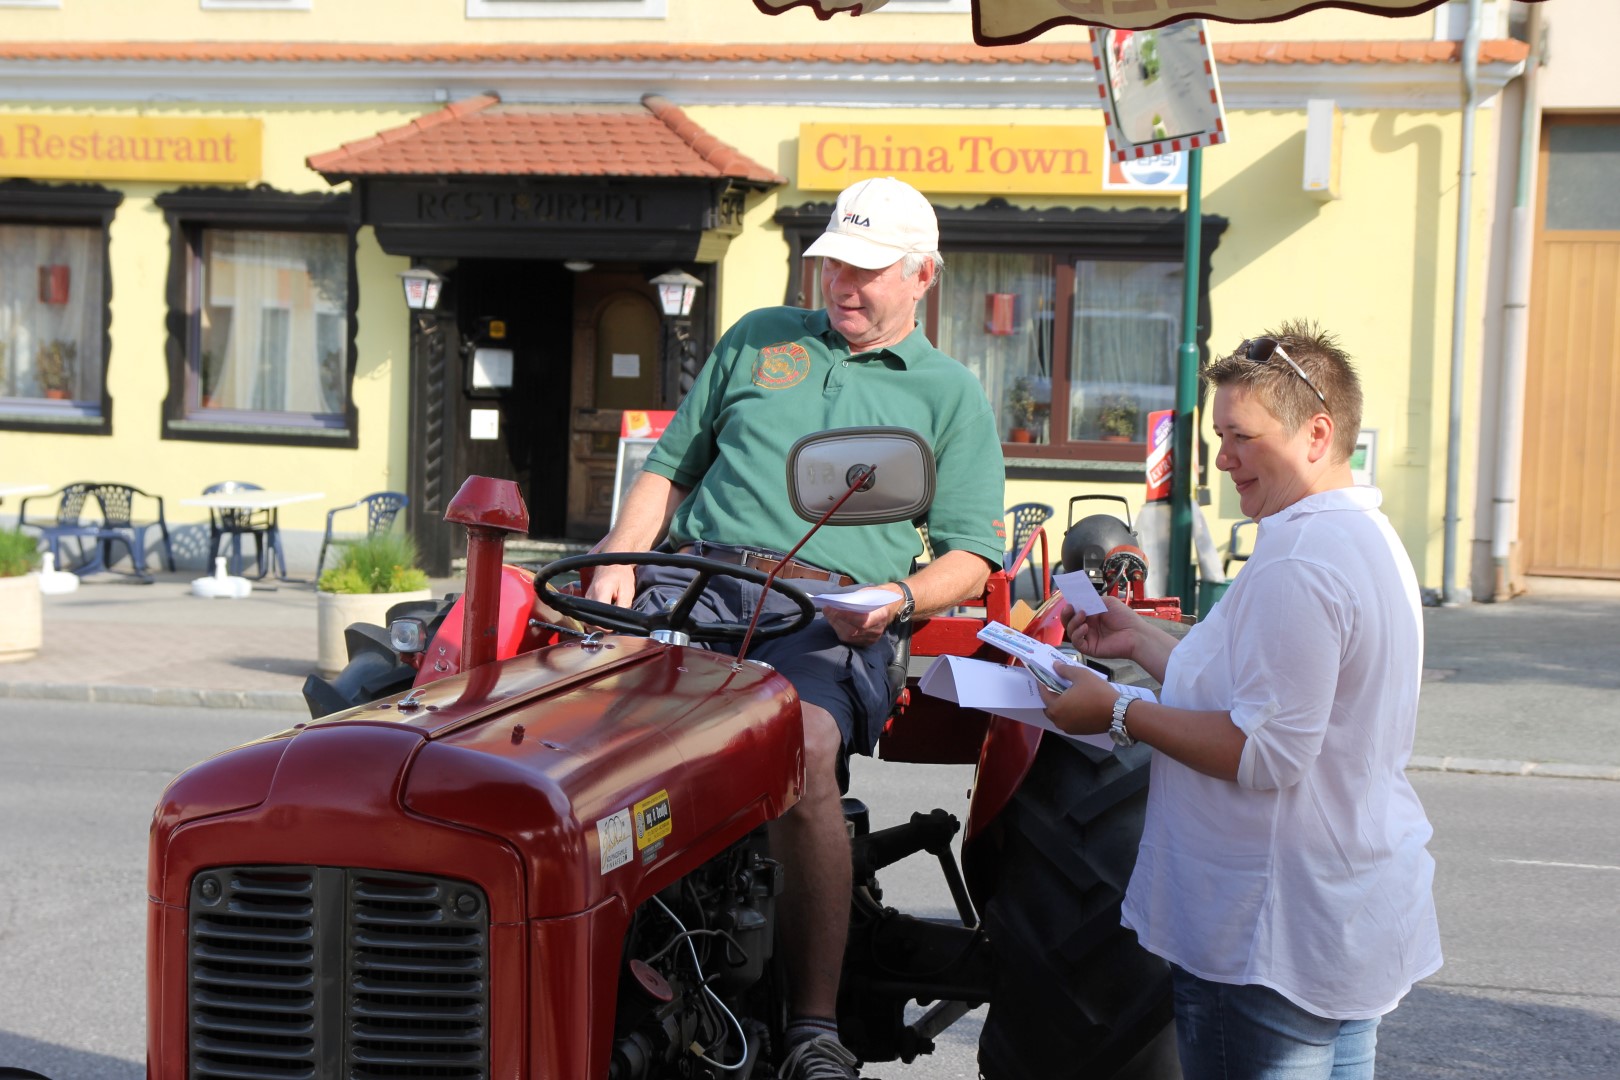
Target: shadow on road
<point>1495,1034</point>
<point>61,1062</point>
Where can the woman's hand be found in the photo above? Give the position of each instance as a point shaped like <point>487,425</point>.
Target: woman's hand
<point>1086,707</point>
<point>1113,635</point>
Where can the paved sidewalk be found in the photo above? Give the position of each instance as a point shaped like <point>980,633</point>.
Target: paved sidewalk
<point>115,640</point>
<point>1530,687</point>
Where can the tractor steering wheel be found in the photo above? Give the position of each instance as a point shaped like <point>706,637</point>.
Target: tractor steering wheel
<point>677,617</point>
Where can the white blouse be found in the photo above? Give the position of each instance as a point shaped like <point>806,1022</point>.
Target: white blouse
<point>1309,874</point>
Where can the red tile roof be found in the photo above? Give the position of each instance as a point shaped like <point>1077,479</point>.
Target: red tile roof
<point>482,137</point>
<point>1267,52</point>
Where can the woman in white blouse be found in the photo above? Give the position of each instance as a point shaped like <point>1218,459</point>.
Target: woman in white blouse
<point>1283,871</point>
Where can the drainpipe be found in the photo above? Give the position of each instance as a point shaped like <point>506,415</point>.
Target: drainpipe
<point>1450,594</point>
<point>1516,323</point>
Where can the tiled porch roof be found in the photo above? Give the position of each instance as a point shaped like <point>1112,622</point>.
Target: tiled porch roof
<point>482,137</point>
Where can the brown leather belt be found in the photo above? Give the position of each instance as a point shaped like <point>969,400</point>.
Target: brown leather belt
<point>763,561</point>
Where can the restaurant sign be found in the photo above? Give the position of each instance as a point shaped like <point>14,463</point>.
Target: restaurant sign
<point>989,159</point>
<point>68,147</point>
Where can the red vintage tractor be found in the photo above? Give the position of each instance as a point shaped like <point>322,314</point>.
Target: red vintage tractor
<point>509,850</point>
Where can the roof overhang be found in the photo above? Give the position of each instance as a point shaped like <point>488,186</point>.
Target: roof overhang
<point>1254,75</point>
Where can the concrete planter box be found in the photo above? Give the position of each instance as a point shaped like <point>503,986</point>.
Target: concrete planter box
<point>335,612</point>
<point>22,618</point>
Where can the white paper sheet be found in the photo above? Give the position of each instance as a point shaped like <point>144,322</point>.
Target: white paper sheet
<point>998,689</point>
<point>865,599</point>
<point>1081,594</point>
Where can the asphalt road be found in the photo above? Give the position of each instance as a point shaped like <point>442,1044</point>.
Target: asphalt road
<point>1528,874</point>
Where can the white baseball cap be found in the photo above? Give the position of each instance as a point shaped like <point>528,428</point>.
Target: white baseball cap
<point>876,223</point>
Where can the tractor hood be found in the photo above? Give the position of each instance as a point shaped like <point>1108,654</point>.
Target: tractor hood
<point>585,770</point>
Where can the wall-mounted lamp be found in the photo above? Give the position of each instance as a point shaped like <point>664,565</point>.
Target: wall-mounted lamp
<point>422,287</point>
<point>676,291</point>
<point>578,266</point>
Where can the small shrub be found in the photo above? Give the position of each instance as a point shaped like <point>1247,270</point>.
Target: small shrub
<point>19,553</point>
<point>381,563</point>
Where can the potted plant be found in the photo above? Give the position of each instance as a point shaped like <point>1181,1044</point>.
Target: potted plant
<point>22,618</point>
<point>1117,419</point>
<point>369,577</point>
<point>54,364</point>
<point>1021,411</point>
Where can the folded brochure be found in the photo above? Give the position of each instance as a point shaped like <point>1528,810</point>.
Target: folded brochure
<point>1042,659</point>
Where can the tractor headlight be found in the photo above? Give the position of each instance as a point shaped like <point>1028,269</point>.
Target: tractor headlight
<point>407,635</point>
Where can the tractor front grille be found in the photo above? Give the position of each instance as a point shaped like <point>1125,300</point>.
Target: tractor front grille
<point>323,973</point>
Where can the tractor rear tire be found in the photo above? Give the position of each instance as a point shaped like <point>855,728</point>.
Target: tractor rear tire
<point>1076,996</point>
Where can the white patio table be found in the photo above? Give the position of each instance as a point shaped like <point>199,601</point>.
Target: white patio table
<point>254,499</point>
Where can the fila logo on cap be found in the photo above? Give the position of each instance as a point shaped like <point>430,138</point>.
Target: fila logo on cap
<point>876,223</point>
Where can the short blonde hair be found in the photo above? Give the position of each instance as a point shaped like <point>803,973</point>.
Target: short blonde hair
<point>1285,395</point>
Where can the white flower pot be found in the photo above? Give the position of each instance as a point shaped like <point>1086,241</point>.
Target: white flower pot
<point>22,618</point>
<point>335,612</point>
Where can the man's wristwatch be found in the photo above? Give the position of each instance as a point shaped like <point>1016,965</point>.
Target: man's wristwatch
<point>907,606</point>
<point>1117,730</point>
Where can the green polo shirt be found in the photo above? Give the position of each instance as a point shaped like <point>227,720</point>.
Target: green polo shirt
<point>782,373</point>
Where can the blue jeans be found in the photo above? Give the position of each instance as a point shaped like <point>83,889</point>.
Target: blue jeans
<point>1226,1032</point>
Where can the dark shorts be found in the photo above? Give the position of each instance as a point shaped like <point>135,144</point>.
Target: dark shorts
<point>850,682</point>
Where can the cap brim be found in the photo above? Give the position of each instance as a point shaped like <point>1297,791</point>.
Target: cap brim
<point>855,250</point>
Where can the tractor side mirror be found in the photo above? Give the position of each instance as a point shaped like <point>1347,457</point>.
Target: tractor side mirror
<point>821,468</point>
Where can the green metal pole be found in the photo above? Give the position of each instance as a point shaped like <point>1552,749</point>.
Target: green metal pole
<point>1182,581</point>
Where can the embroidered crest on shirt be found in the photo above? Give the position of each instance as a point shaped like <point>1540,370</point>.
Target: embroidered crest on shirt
<point>781,366</point>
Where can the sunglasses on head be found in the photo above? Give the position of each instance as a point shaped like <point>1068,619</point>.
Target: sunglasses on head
<point>1260,350</point>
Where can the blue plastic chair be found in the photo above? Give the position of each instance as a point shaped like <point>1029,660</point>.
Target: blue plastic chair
<point>67,523</point>
<point>236,522</point>
<point>381,507</point>
<point>1021,522</point>
<point>120,525</point>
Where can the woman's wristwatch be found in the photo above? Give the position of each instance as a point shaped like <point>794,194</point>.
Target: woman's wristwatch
<point>1117,730</point>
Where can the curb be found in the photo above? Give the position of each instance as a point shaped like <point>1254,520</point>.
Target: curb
<point>273,700</point>
<point>1497,767</point>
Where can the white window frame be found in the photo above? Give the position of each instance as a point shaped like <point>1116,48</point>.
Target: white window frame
<point>567,9</point>
<point>256,5</point>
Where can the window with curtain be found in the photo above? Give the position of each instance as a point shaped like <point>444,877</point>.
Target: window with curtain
<point>1073,353</point>
<point>1126,329</point>
<point>995,315</point>
<point>52,319</point>
<point>264,282</point>
<point>268,322</point>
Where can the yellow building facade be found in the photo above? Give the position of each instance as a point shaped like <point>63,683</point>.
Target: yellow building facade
<point>250,324</point>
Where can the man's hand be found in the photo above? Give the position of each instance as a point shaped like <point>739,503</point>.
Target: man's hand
<point>1086,707</point>
<point>614,585</point>
<point>864,627</point>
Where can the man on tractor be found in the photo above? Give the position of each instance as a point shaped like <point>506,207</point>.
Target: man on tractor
<point>714,486</point>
